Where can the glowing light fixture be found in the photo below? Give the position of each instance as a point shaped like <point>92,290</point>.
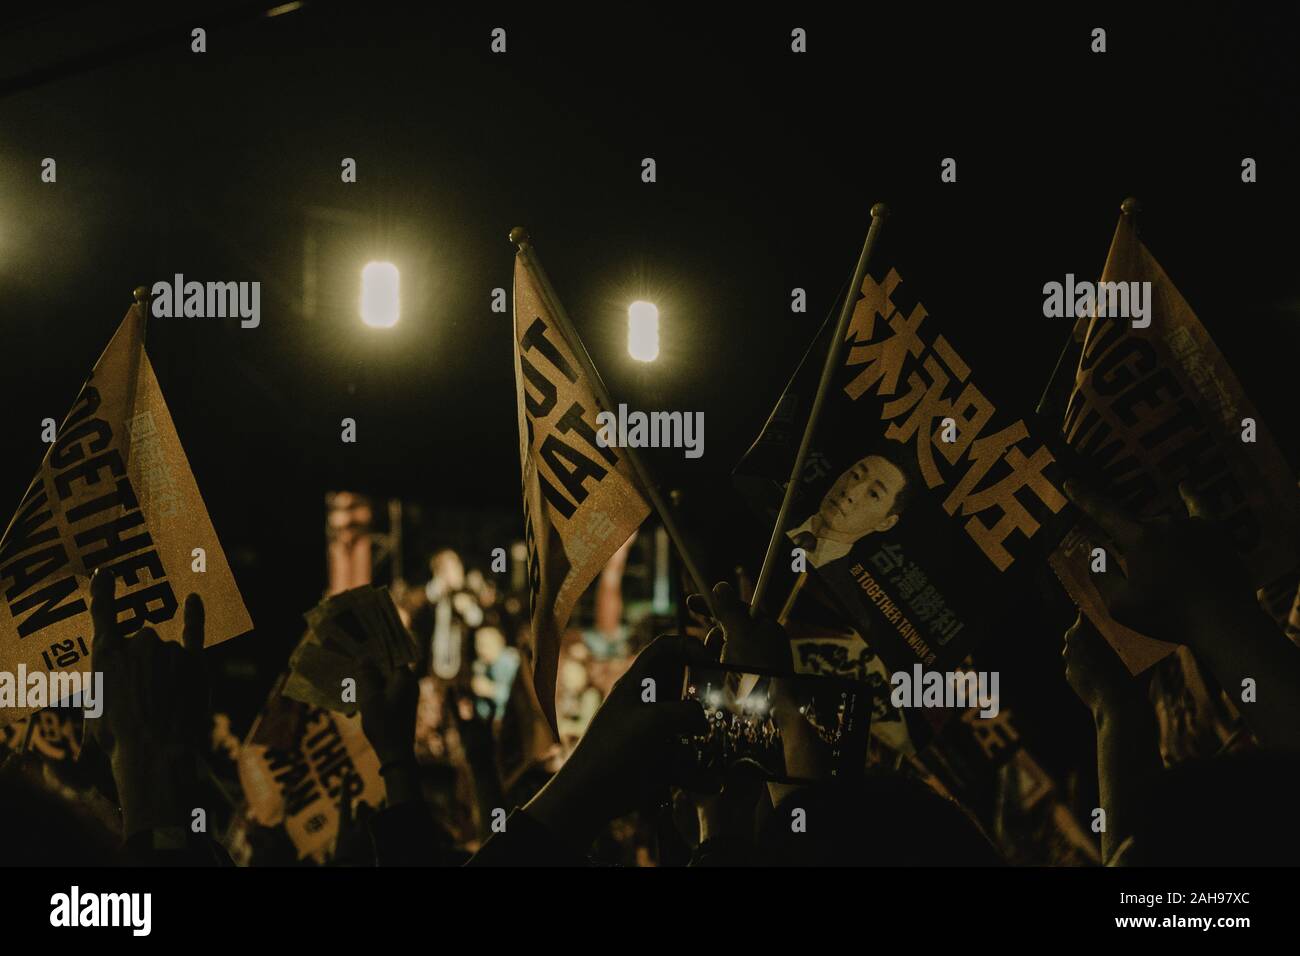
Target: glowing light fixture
<point>643,331</point>
<point>379,295</point>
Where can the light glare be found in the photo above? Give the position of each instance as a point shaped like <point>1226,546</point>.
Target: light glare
<point>379,295</point>
<point>643,331</point>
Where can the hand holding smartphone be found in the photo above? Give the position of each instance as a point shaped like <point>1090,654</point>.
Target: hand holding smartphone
<point>799,728</point>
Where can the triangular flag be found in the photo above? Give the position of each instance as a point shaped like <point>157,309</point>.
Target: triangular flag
<point>297,763</point>
<point>115,490</point>
<point>581,500</point>
<point>1155,404</point>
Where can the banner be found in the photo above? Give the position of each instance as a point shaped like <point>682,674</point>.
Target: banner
<point>581,500</point>
<point>841,652</point>
<point>1156,405</point>
<point>297,764</point>
<point>115,490</point>
<point>346,631</point>
<point>919,496</point>
<point>54,734</point>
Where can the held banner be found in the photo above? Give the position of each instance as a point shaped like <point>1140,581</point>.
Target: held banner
<point>1159,405</point>
<point>581,501</point>
<point>115,490</point>
<point>56,736</point>
<point>921,498</point>
<point>297,764</point>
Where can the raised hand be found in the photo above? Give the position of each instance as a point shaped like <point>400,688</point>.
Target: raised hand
<point>1183,582</point>
<point>155,719</point>
<point>1095,672</point>
<point>742,640</point>
<point>1176,570</point>
<point>625,759</point>
<point>388,707</point>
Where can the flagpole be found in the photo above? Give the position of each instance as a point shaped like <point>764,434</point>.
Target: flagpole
<point>143,302</point>
<point>144,299</point>
<point>675,564</point>
<point>788,608</point>
<point>1045,409</point>
<point>879,212</point>
<point>523,242</point>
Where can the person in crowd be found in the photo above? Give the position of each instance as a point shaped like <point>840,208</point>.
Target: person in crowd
<point>154,727</point>
<point>404,832</point>
<point>1182,582</point>
<point>1175,579</point>
<point>630,757</point>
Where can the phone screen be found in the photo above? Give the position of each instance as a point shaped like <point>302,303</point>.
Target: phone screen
<point>800,728</point>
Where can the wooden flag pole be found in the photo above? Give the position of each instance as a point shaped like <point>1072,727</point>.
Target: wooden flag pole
<point>523,242</point>
<point>879,212</point>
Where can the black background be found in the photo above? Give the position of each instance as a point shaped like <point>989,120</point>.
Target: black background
<point>348,907</point>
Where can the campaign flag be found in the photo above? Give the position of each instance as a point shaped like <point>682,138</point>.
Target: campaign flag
<point>115,490</point>
<point>298,764</point>
<point>54,734</point>
<point>581,500</point>
<point>344,632</point>
<point>1155,404</point>
<point>841,652</point>
<point>920,495</point>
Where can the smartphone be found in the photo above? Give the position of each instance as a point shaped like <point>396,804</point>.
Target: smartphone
<point>801,728</point>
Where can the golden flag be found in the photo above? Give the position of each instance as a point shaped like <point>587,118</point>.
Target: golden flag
<point>581,500</point>
<point>1156,404</point>
<point>115,490</point>
<point>297,764</point>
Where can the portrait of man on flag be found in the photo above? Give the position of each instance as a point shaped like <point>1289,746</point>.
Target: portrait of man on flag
<point>868,497</point>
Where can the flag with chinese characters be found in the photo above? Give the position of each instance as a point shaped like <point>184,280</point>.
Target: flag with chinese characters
<point>921,496</point>
<point>581,500</point>
<point>54,734</point>
<point>1157,405</point>
<point>115,491</point>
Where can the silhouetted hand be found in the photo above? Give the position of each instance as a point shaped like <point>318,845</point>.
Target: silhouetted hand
<point>388,706</point>
<point>625,759</point>
<point>1177,571</point>
<point>475,730</point>
<point>1183,582</point>
<point>155,718</point>
<point>1094,670</point>
<point>744,641</point>
<point>729,813</point>
<point>352,845</point>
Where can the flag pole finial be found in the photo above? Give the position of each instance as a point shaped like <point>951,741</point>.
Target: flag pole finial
<point>1130,206</point>
<point>880,211</point>
<point>519,236</point>
<point>143,296</point>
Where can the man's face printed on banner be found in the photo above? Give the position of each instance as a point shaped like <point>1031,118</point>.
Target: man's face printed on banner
<point>862,500</point>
